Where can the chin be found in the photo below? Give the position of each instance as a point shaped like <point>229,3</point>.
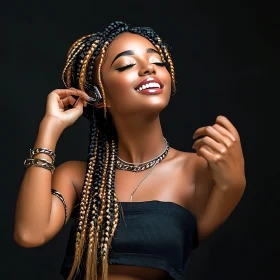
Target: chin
<point>160,101</point>
<point>151,105</point>
<point>155,106</point>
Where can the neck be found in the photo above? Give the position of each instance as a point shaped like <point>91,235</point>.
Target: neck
<point>139,141</point>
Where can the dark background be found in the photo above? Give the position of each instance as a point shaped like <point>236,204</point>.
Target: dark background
<point>226,55</point>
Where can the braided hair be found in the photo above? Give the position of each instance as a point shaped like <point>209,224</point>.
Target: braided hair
<point>99,209</point>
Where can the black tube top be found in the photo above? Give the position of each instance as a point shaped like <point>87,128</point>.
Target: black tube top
<point>151,234</point>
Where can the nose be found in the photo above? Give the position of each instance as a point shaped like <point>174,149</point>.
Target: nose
<point>147,69</point>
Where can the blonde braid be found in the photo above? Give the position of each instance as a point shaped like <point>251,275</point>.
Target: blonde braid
<point>107,230</point>
<point>84,212</point>
<point>103,50</point>
<point>85,64</point>
<point>172,70</point>
<point>91,272</point>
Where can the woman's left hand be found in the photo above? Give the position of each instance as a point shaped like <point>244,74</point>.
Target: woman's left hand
<point>219,144</point>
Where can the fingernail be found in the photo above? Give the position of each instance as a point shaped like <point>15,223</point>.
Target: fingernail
<point>91,99</point>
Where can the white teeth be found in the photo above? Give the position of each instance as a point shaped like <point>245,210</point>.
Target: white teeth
<point>148,85</point>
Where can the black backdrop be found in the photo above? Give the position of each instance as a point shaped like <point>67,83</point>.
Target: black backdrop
<point>226,58</point>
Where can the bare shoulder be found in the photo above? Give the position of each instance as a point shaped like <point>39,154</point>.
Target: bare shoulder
<point>196,171</point>
<point>190,160</point>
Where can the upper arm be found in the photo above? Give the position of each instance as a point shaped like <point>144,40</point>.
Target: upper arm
<point>67,180</point>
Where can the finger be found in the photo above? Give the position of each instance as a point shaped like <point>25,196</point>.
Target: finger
<point>204,147</point>
<point>224,122</point>
<point>224,132</point>
<point>63,93</point>
<point>79,104</point>
<point>220,134</point>
<point>211,143</point>
<point>207,130</point>
<point>70,100</point>
<point>206,153</point>
<point>77,110</point>
<point>61,105</point>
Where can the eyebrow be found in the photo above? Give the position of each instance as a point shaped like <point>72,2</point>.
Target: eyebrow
<point>131,52</point>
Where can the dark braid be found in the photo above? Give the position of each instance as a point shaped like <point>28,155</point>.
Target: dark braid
<point>99,209</point>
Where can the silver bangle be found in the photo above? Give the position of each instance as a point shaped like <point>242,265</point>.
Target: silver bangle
<point>59,196</point>
<point>40,163</point>
<point>46,151</point>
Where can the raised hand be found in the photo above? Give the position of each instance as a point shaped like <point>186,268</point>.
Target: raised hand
<point>219,144</point>
<point>64,107</point>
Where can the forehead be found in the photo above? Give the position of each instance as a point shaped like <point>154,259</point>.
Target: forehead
<point>128,41</point>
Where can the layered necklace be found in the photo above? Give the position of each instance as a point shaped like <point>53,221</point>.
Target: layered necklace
<point>138,167</point>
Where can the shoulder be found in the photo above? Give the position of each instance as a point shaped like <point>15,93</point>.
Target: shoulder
<point>191,161</point>
<point>196,172</point>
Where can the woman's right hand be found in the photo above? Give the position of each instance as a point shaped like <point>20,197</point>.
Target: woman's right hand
<point>58,103</point>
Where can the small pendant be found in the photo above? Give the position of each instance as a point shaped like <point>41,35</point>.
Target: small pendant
<point>130,198</point>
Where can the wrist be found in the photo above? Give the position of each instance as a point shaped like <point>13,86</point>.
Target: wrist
<point>50,129</point>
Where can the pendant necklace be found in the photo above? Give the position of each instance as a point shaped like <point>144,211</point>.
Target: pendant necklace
<point>138,167</point>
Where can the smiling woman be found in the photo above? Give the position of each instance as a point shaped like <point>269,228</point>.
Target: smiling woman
<point>140,206</point>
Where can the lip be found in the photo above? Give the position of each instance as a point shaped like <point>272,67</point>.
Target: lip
<point>148,80</point>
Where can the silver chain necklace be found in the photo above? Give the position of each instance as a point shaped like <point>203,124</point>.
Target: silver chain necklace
<point>137,167</point>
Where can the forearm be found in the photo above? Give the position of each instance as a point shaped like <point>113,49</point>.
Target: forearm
<point>33,206</point>
<point>222,201</point>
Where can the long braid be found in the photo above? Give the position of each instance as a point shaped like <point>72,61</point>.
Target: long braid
<point>109,218</point>
<point>86,198</point>
<point>103,50</point>
<point>97,215</point>
<point>99,206</point>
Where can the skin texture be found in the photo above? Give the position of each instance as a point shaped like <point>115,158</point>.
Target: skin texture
<point>209,182</point>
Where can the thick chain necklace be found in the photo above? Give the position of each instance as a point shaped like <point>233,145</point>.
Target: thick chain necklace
<point>137,167</point>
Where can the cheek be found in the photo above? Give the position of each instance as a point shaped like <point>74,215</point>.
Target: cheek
<point>165,77</point>
<point>119,84</point>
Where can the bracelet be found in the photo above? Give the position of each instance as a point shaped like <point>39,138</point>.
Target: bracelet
<point>40,163</point>
<point>46,151</point>
<point>59,196</point>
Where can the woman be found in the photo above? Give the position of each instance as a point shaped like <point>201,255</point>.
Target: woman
<point>142,206</point>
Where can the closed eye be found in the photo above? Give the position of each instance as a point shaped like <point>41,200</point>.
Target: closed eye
<point>160,63</point>
<point>132,64</point>
<point>125,67</point>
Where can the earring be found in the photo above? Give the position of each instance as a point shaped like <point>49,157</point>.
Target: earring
<point>95,95</point>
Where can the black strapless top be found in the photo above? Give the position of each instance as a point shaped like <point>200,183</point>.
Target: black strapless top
<point>151,234</point>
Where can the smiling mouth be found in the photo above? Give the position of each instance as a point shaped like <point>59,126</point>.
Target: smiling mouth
<point>151,85</point>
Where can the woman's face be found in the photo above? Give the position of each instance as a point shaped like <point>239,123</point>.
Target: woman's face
<point>134,77</point>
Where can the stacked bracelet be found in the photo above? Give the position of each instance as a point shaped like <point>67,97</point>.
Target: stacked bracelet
<point>40,162</point>
<point>46,151</point>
